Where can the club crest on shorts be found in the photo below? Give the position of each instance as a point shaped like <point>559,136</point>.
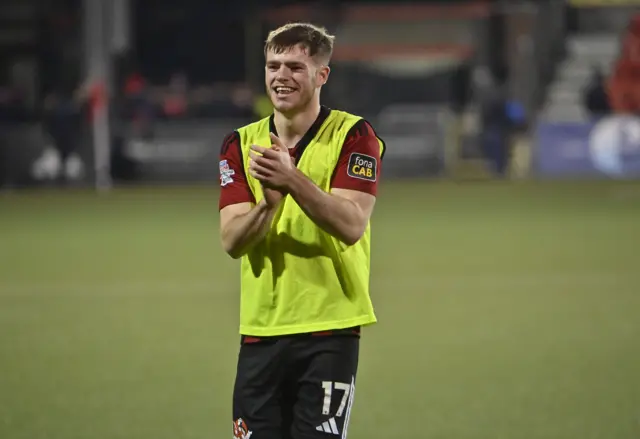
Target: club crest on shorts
<point>362,166</point>
<point>240,429</point>
<point>226,173</point>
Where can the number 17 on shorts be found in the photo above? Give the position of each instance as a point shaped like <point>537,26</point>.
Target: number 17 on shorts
<point>337,404</point>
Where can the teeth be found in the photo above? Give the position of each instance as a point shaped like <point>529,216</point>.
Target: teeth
<point>283,89</point>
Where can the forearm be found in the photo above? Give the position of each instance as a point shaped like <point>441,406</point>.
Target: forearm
<point>247,230</point>
<point>338,216</point>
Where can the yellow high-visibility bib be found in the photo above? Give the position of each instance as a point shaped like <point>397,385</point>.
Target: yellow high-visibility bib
<point>300,279</point>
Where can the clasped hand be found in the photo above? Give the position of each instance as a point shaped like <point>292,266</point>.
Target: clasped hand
<point>273,166</point>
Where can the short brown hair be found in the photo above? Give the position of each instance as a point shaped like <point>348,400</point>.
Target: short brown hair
<point>316,40</point>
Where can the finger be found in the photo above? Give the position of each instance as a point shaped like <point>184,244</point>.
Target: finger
<point>262,178</point>
<point>271,153</point>
<point>260,169</point>
<point>258,148</point>
<point>257,160</point>
<point>258,176</point>
<point>258,173</point>
<point>255,157</point>
<point>276,141</point>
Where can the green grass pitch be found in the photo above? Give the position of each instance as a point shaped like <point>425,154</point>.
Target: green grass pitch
<point>506,311</point>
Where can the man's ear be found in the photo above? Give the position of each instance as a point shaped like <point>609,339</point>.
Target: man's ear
<point>322,75</point>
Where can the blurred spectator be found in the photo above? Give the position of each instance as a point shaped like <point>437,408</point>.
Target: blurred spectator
<point>242,101</point>
<point>623,87</point>
<point>596,99</point>
<point>137,105</point>
<point>13,96</point>
<point>175,102</point>
<point>624,84</point>
<point>496,125</point>
<point>134,85</point>
<point>633,40</point>
<point>62,122</point>
<point>12,108</point>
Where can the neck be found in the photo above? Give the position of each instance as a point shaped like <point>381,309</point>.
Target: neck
<point>292,127</point>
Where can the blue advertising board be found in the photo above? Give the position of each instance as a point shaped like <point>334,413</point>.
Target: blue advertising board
<point>609,147</point>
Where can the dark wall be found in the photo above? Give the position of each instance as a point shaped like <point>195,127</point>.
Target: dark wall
<point>205,38</point>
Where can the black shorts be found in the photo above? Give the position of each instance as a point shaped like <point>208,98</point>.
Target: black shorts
<point>295,387</point>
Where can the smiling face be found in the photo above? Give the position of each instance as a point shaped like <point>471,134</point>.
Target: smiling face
<point>293,79</point>
<point>297,57</point>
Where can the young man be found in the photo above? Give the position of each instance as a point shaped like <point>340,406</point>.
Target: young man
<point>298,189</point>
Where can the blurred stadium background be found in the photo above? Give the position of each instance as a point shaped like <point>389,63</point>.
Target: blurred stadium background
<point>506,236</point>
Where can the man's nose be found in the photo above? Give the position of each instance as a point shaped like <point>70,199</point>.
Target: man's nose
<point>283,73</point>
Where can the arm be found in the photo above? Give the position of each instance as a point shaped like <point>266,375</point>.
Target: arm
<point>342,213</point>
<point>243,225</point>
<point>242,222</point>
<point>345,211</point>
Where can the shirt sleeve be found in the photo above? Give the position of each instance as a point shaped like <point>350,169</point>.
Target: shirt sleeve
<point>234,187</point>
<point>359,164</point>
